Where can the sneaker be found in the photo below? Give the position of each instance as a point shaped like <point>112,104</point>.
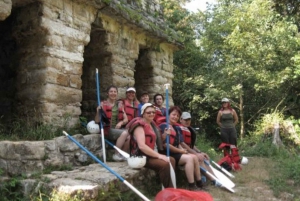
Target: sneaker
<point>201,186</point>
<point>118,157</point>
<point>216,183</point>
<point>194,188</point>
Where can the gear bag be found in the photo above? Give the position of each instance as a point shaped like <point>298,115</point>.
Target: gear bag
<point>231,159</point>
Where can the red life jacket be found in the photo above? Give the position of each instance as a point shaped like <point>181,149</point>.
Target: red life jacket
<point>173,136</point>
<point>231,158</point>
<point>158,114</point>
<point>107,108</point>
<point>187,135</point>
<point>150,136</point>
<point>131,110</point>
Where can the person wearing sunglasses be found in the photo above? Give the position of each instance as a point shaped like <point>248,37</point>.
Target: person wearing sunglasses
<point>146,140</point>
<point>131,104</point>
<point>227,119</point>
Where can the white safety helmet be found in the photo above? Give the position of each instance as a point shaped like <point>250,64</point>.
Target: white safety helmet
<point>225,100</point>
<point>93,128</point>
<point>136,162</point>
<point>244,160</point>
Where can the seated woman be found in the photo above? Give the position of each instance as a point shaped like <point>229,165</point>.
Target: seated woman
<point>146,141</point>
<point>181,155</point>
<point>114,111</point>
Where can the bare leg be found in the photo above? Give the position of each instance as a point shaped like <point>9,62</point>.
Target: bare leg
<point>121,140</point>
<point>188,161</point>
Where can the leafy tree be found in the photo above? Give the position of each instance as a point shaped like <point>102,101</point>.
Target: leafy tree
<point>246,52</point>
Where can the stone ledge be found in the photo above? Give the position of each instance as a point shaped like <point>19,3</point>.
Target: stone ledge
<point>88,180</point>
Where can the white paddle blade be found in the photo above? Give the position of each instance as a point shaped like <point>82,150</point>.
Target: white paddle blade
<point>223,178</point>
<point>103,146</point>
<point>223,169</point>
<point>224,185</point>
<point>173,176</point>
<point>123,153</point>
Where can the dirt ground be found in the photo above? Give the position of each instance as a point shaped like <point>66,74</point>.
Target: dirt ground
<point>250,184</point>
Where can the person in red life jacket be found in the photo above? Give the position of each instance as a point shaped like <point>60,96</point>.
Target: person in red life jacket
<point>181,155</point>
<point>114,111</point>
<point>158,102</point>
<point>146,141</point>
<point>144,99</point>
<point>227,119</point>
<point>189,136</point>
<point>131,104</point>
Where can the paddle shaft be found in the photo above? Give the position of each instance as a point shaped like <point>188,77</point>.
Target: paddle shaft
<point>106,167</point>
<point>101,126</point>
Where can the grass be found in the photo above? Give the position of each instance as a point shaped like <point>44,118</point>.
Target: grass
<point>23,129</point>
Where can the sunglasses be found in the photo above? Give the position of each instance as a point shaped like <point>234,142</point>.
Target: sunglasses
<point>151,112</point>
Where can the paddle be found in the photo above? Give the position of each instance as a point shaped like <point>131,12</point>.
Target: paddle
<point>221,176</point>
<point>100,117</point>
<point>225,185</point>
<point>123,153</point>
<point>105,166</point>
<point>172,172</point>
<point>222,169</point>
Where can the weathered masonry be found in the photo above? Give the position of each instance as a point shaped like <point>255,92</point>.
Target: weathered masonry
<point>49,50</point>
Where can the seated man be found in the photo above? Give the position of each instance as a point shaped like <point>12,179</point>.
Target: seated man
<point>189,138</point>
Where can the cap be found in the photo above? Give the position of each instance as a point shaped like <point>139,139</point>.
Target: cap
<point>186,115</point>
<point>225,100</point>
<point>131,89</point>
<point>145,106</point>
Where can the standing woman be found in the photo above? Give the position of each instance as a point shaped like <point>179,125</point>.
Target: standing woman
<point>114,111</point>
<point>146,141</point>
<point>227,120</point>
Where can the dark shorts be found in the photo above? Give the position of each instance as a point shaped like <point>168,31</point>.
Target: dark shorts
<point>114,133</point>
<point>176,156</point>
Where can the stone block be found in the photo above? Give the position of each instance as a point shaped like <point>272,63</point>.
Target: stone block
<point>28,186</point>
<point>24,167</point>
<point>61,79</point>
<point>5,9</point>
<point>3,165</point>
<point>53,41</point>
<point>66,145</point>
<point>8,152</point>
<point>59,94</point>
<point>93,141</point>
<point>30,150</point>
<point>60,29</point>
<point>75,81</point>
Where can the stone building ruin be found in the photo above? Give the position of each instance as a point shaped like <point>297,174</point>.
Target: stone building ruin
<point>49,50</point>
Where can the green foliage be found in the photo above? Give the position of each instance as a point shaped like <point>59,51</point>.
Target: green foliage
<point>285,174</point>
<point>25,129</point>
<point>10,189</point>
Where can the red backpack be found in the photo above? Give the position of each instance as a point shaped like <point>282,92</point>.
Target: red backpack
<point>231,159</point>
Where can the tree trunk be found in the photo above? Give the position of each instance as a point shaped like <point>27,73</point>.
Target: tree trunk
<point>242,123</point>
<point>276,137</point>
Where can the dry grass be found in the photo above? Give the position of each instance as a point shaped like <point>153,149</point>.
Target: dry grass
<point>251,184</point>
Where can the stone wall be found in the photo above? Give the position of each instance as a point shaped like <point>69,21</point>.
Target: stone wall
<point>52,49</point>
<point>27,157</point>
<point>5,9</point>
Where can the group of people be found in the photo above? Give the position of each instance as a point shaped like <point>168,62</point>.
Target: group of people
<point>141,129</point>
